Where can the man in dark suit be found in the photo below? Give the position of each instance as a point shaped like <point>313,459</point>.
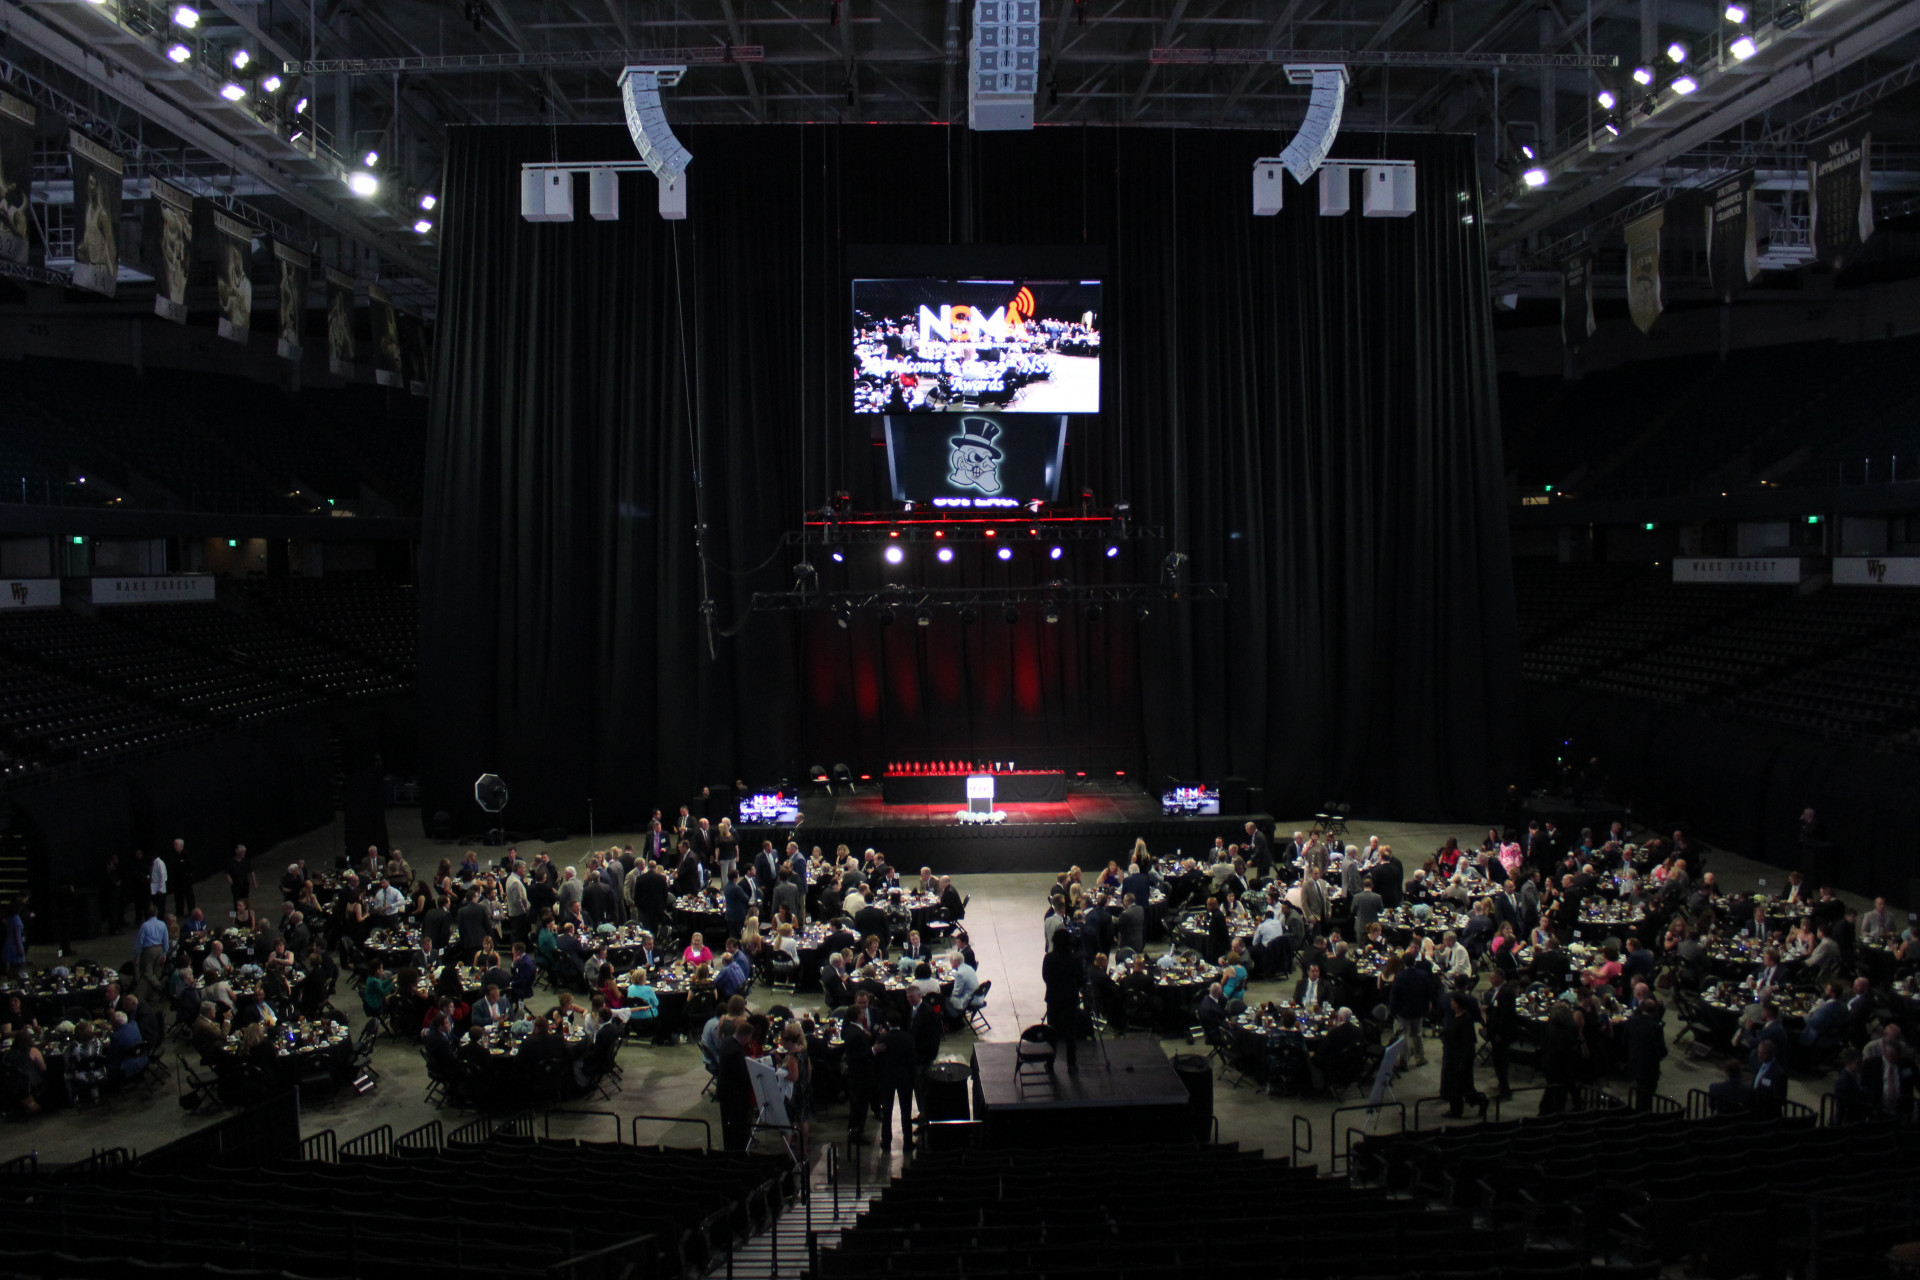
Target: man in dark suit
<point>861,1032</point>
<point>1259,850</point>
<point>733,1087</point>
<point>1732,1093</point>
<point>1063,977</point>
<point>652,898</point>
<point>833,982</point>
<point>1770,1032</point>
<point>765,870</point>
<point>1887,1073</point>
<point>895,1070</point>
<point>1132,925</point>
<point>1389,880</point>
<point>737,902</point>
<point>1139,884</point>
<point>1311,990</point>
<point>1550,966</point>
<point>1503,1026</point>
<point>1769,1079</point>
<point>1646,1046</point>
<point>474,924</point>
<point>1851,1101</point>
<point>871,922</point>
<point>923,1025</point>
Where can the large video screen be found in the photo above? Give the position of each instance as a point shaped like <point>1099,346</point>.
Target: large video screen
<point>926,345</point>
<point>976,460</point>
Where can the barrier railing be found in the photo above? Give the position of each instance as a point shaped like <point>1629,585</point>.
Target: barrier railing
<point>1499,1103</point>
<point>546,1120</point>
<point>1591,1097</point>
<point>425,1140</point>
<point>1340,1159</point>
<point>322,1146</point>
<point>1300,1122</point>
<point>1658,1103</point>
<point>21,1166</point>
<point>706,1126</point>
<point>374,1142</point>
<point>610,1263</point>
<point>1701,1104</point>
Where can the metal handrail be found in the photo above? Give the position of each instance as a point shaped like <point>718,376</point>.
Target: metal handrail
<point>426,1138</point>
<point>1658,1103</point>
<point>1515,1094</point>
<point>1344,1153</point>
<point>546,1121</point>
<point>322,1147</point>
<point>1298,1149</point>
<point>374,1142</point>
<point>574,1268</point>
<point>635,1126</point>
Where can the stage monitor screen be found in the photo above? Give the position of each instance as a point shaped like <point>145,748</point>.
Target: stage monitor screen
<point>769,809</point>
<point>976,461</point>
<point>1200,798</point>
<point>926,345</point>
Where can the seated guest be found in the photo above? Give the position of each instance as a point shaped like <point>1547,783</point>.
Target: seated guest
<point>833,981</point>
<point>1212,1013</point>
<point>493,1007</point>
<point>643,1002</point>
<point>966,984</point>
<point>216,965</point>
<point>438,1041</point>
<point>1825,1021</point>
<point>697,952</point>
<point>375,990</point>
<point>924,981</point>
<point>1311,990</point>
<point>1607,972</point>
<point>126,1052</point>
<point>209,1030</point>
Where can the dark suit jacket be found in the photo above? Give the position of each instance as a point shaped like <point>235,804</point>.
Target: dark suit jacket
<point>923,1026</point>
<point>1646,1046</point>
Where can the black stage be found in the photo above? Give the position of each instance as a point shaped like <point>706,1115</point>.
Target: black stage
<point>1140,1101</point>
<point>1022,786</point>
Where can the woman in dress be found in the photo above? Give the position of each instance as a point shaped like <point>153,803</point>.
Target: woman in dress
<point>726,848</point>
<point>798,1071</point>
<point>783,940</point>
<point>243,915</point>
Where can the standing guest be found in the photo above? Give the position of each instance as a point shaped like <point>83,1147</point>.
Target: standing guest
<point>1646,1046</point>
<point>1769,1080</point>
<point>157,883</point>
<point>241,880</point>
<point>1503,1027</point>
<point>895,1051</point>
<point>1063,976</point>
<point>14,953</point>
<point>798,1070</point>
<point>180,875</point>
<point>1456,1056</point>
<point>733,1087</point>
<point>27,1070</point>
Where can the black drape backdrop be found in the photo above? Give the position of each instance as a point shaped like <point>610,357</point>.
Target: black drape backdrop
<point>1305,405</point>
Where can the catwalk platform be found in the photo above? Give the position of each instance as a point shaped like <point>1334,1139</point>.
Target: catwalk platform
<point>1139,1100</point>
<point>1096,822</point>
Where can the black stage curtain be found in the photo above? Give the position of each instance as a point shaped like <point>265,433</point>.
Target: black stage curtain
<point>1306,405</point>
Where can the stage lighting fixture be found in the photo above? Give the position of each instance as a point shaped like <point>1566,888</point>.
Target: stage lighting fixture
<point>427,200</point>
<point>1005,553</point>
<point>804,576</point>
<point>1736,13</point>
<point>1685,85</point>
<point>1676,53</point>
<point>944,555</point>
<point>893,555</point>
<point>178,52</point>
<point>1743,48</point>
<point>1643,75</point>
<point>923,617</point>
<point>886,616</point>
<point>1056,551</point>
<point>1610,127</point>
<point>1526,151</point>
<point>1140,611</point>
<point>1011,613</point>
<point>362,183</point>
<point>240,59</point>
<point>271,84</point>
<point>967,615</point>
<point>1096,611</point>
<point>1534,177</point>
<point>1113,549</point>
<point>1053,612</point>
<point>185,15</point>
<point>300,107</point>
<point>1607,100</point>
<point>370,159</point>
<point>1310,146</point>
<point>423,225</point>
<point>843,615</point>
<point>232,92</point>
<point>837,554</point>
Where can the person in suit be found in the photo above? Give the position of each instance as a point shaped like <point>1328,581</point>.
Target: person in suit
<point>871,922</point>
<point>1063,978</point>
<point>894,1071</point>
<point>923,1025</point>
<point>1646,1047</point>
<point>1130,928</point>
<point>1456,1055</point>
<point>1138,883</point>
<point>765,870</point>
<point>1769,1079</point>
<point>491,1007</point>
<point>1311,989</point>
<point>1408,998</point>
<point>733,1088</point>
<point>1367,904</point>
<point>1852,1103</point>
<point>1770,1032</point>
<point>953,906</point>
<point>1502,1027</point>
<point>652,897</point>
<point>861,1031</point>
<point>790,895</point>
<point>1825,1022</point>
<point>1887,1073</point>
<point>1389,878</point>
<point>1259,851</point>
<point>1731,1093</point>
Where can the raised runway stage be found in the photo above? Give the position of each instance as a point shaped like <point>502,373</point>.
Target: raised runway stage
<point>1131,1095</point>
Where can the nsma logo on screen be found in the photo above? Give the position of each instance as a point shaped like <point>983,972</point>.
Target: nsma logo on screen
<point>969,326</point>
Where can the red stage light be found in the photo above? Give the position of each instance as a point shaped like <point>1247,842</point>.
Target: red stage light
<point>939,533</point>
<point>989,533</point>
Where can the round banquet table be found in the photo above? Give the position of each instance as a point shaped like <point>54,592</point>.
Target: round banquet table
<point>1602,919</point>
<point>47,997</point>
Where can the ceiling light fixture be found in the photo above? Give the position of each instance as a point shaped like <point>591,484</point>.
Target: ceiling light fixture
<point>1743,48</point>
<point>232,92</point>
<point>300,107</point>
<point>271,84</point>
<point>1535,177</point>
<point>423,226</point>
<point>370,159</point>
<point>1607,100</point>
<point>1676,52</point>
<point>893,555</point>
<point>1685,85</point>
<point>240,59</point>
<point>185,15</point>
<point>1736,13</point>
<point>1643,75</point>
<point>362,183</point>
<point>428,200</point>
<point>178,52</point>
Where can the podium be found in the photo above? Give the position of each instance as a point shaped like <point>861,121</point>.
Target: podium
<point>980,793</point>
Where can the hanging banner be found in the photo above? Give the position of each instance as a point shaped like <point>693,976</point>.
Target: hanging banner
<point>1576,301</point>
<point>1738,568</point>
<point>292,268</point>
<point>30,593</point>
<point>387,364</point>
<point>1840,191</point>
<point>173,210</point>
<point>1643,268</point>
<point>158,589</point>
<point>413,348</point>
<point>235,241</point>
<point>97,174</point>
<point>16,177</point>
<point>1733,255</point>
<point>341,349</point>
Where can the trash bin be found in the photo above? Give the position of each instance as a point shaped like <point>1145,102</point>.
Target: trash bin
<point>943,1092</point>
<point>1197,1074</point>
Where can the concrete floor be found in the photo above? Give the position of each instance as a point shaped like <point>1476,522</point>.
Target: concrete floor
<point>1004,921</point>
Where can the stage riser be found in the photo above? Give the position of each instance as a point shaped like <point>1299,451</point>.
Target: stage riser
<point>958,850</point>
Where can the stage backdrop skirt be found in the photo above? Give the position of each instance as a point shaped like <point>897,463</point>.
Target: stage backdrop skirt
<point>1028,786</point>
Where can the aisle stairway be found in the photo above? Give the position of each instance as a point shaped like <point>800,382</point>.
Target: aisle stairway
<point>835,1204</point>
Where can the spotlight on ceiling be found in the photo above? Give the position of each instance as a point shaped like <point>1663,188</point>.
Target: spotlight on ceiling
<point>1607,100</point>
<point>1011,613</point>
<point>423,225</point>
<point>944,555</point>
<point>1610,127</point>
<point>370,159</point>
<point>362,183</point>
<point>1056,551</point>
<point>1743,48</point>
<point>185,15</point>
<point>843,615</point>
<point>967,615</point>
<point>1113,549</point>
<point>1676,53</point>
<point>1685,85</point>
<point>428,200</point>
<point>923,617</point>
<point>837,554</point>
<point>1643,75</point>
<point>893,555</point>
<point>1736,13</point>
<point>178,52</point>
<point>300,107</point>
<point>1005,553</point>
<point>232,92</point>
<point>240,59</point>
<point>1526,151</point>
<point>1535,177</point>
<point>270,85</point>
<point>1053,612</point>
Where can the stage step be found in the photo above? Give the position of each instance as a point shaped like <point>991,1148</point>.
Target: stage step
<point>782,1252</point>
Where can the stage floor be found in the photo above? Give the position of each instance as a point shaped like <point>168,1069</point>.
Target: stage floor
<point>1087,802</point>
<point>1140,1100</point>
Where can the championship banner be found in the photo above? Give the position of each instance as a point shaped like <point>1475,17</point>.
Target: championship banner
<point>16,177</point>
<point>1576,301</point>
<point>341,348</point>
<point>413,348</point>
<point>1733,256</point>
<point>97,174</point>
<point>234,240</point>
<point>1643,268</point>
<point>388,368</point>
<point>291,268</point>
<point>1840,191</point>
<point>173,209</point>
